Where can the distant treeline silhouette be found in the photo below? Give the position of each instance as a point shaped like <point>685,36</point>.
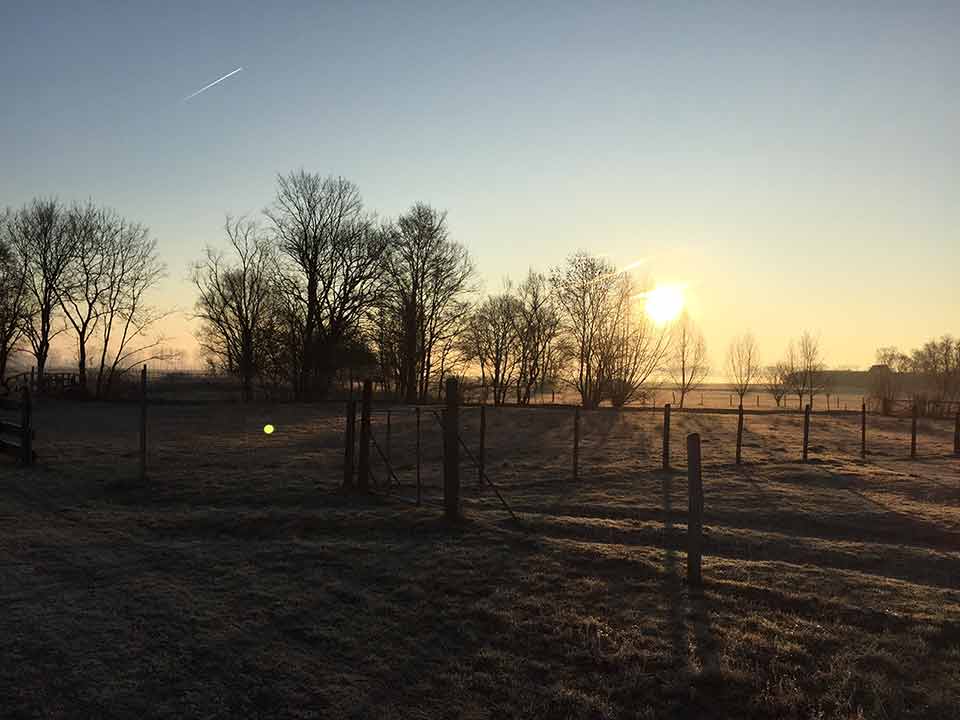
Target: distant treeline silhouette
<point>318,287</point>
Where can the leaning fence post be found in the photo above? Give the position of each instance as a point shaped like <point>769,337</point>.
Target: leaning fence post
<point>451,452</point>
<point>694,511</point>
<point>350,444</point>
<point>666,436</point>
<point>806,431</point>
<point>26,428</point>
<point>483,444</point>
<point>418,456</point>
<point>913,432</point>
<point>576,443</point>
<point>143,423</point>
<point>740,431</point>
<point>363,467</point>
<point>863,429</point>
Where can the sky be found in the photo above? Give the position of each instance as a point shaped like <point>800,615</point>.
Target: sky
<point>794,166</point>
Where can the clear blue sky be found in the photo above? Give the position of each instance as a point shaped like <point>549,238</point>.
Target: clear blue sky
<point>795,166</point>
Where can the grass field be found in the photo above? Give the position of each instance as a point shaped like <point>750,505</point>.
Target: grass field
<point>239,582</point>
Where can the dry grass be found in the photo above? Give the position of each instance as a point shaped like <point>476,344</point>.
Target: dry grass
<point>238,582</point>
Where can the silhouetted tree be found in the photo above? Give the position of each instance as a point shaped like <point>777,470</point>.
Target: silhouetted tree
<point>14,308</point>
<point>423,300</point>
<point>85,280</point>
<point>126,318</point>
<point>332,267</point>
<point>632,347</point>
<point>491,340</point>
<point>811,364</point>
<point>584,290</point>
<point>241,321</point>
<point>743,364</point>
<point>775,379</point>
<point>536,325</point>
<point>688,366</point>
<point>38,233</point>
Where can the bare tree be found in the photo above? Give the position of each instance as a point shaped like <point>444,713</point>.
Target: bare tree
<point>333,253</point>
<point>743,363</point>
<point>775,379</point>
<point>536,324</point>
<point>14,306</point>
<point>632,347</point>
<point>584,289</point>
<point>237,303</point>
<point>423,300</point>
<point>491,340</point>
<point>811,365</point>
<point>796,378</point>
<point>85,280</point>
<point>126,319</point>
<point>688,366</point>
<point>38,233</point>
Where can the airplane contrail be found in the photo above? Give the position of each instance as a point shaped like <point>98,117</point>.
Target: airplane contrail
<point>207,87</point>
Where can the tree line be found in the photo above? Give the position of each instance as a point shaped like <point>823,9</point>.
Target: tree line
<point>929,374</point>
<point>83,271</point>
<point>317,284</point>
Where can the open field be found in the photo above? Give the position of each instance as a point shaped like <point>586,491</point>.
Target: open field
<point>238,582</point>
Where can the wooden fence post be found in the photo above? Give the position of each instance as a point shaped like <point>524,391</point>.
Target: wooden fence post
<point>481,464</point>
<point>388,439</point>
<point>363,466</point>
<point>418,456</point>
<point>863,429</point>
<point>26,428</point>
<point>666,436</point>
<point>143,423</point>
<point>451,452</point>
<point>956,434</point>
<point>913,432</point>
<point>694,511</point>
<point>350,444</point>
<point>740,431</point>
<point>806,431</point>
<point>576,444</point>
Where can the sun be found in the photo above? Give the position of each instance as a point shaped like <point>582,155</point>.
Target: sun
<point>664,303</point>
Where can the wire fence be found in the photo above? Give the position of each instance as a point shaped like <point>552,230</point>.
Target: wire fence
<point>231,453</point>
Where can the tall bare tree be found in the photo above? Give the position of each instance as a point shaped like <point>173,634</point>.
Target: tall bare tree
<point>584,289</point>
<point>536,324</point>
<point>86,281</point>
<point>743,363</point>
<point>14,307</point>
<point>632,347</point>
<point>127,321</point>
<point>38,233</point>
<point>237,303</point>
<point>333,264</point>
<point>423,300</point>
<point>811,364</point>
<point>688,365</point>
<point>491,340</point>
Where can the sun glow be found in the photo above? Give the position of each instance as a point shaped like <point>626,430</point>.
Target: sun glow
<point>664,303</point>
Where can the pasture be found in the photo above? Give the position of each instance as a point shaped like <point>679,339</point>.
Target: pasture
<point>239,581</point>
